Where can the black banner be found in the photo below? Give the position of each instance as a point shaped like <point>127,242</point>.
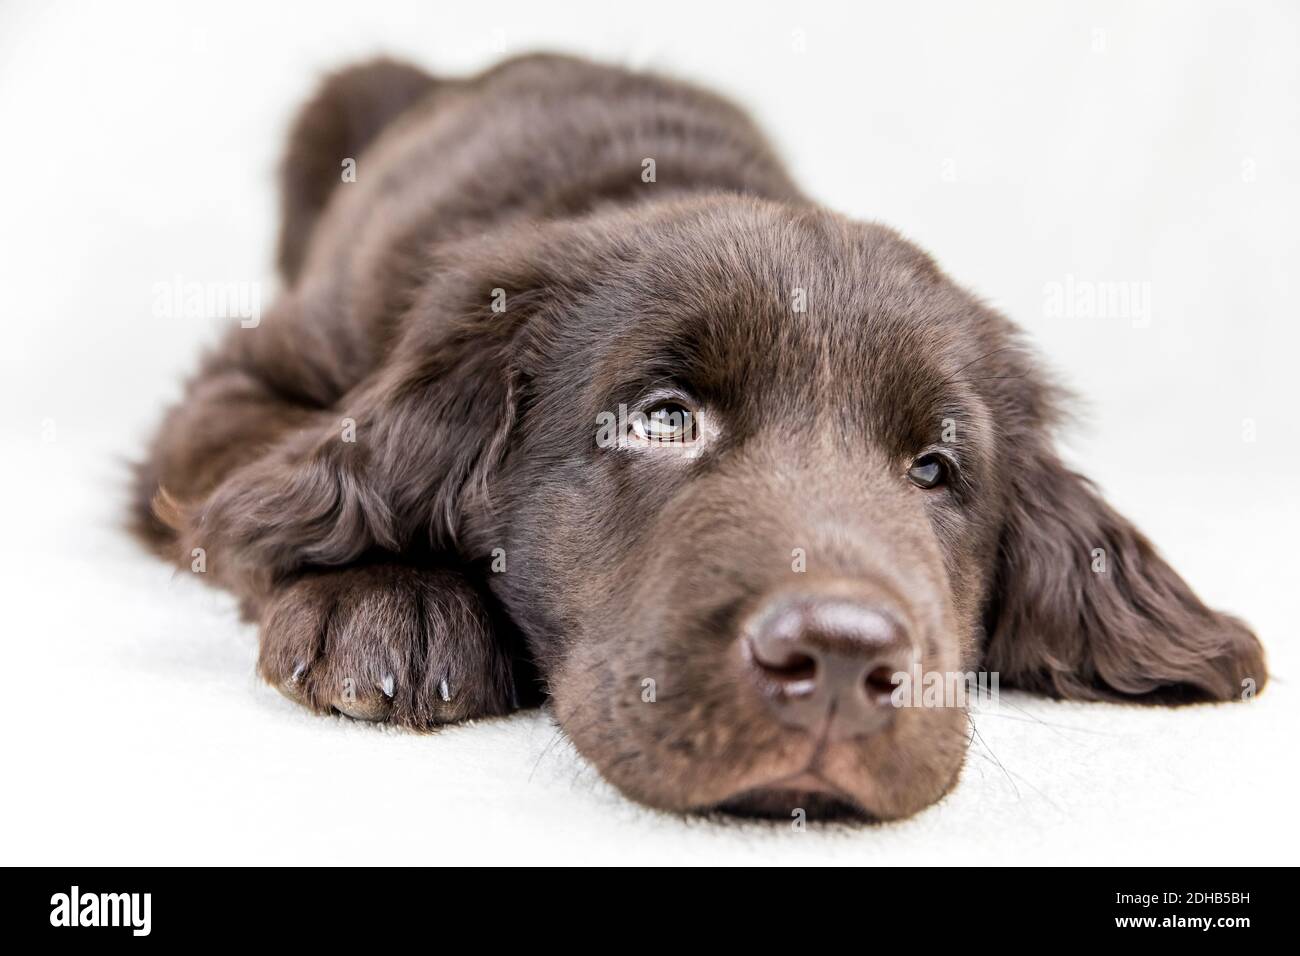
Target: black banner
<point>335,905</point>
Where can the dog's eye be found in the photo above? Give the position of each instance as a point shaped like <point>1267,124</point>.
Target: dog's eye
<point>928,471</point>
<point>666,422</point>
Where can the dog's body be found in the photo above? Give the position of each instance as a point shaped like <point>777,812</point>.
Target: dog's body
<point>401,471</point>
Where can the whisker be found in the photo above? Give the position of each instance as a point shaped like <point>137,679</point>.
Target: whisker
<point>1048,725</point>
<point>957,374</point>
<point>1038,720</point>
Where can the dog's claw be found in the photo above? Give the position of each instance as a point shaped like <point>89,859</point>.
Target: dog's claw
<point>369,643</point>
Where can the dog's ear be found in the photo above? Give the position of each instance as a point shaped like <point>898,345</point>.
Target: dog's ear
<point>397,463</point>
<point>1084,607</point>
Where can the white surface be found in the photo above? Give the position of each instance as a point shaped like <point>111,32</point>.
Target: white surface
<point>1020,148</point>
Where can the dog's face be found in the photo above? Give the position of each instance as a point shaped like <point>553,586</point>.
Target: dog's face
<point>735,466</point>
<point>754,479</point>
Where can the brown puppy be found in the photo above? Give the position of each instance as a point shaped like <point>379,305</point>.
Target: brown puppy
<point>572,376</point>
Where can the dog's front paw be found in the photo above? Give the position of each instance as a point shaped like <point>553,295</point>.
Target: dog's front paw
<point>385,642</point>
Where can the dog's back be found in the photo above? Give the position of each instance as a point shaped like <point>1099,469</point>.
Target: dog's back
<point>539,137</point>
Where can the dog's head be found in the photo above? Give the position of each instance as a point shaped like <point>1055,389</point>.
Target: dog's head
<point>734,466</point>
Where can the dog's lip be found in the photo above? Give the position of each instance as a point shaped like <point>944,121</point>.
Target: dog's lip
<point>807,780</point>
<point>805,790</point>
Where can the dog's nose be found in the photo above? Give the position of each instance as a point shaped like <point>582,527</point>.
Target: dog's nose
<point>822,658</point>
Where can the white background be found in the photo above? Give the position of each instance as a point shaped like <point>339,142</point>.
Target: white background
<point>1021,143</point>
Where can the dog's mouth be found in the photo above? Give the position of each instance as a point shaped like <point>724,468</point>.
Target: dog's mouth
<point>806,795</point>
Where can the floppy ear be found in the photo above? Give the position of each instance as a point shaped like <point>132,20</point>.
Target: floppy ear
<point>1085,608</point>
<point>389,468</point>
<point>398,461</point>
